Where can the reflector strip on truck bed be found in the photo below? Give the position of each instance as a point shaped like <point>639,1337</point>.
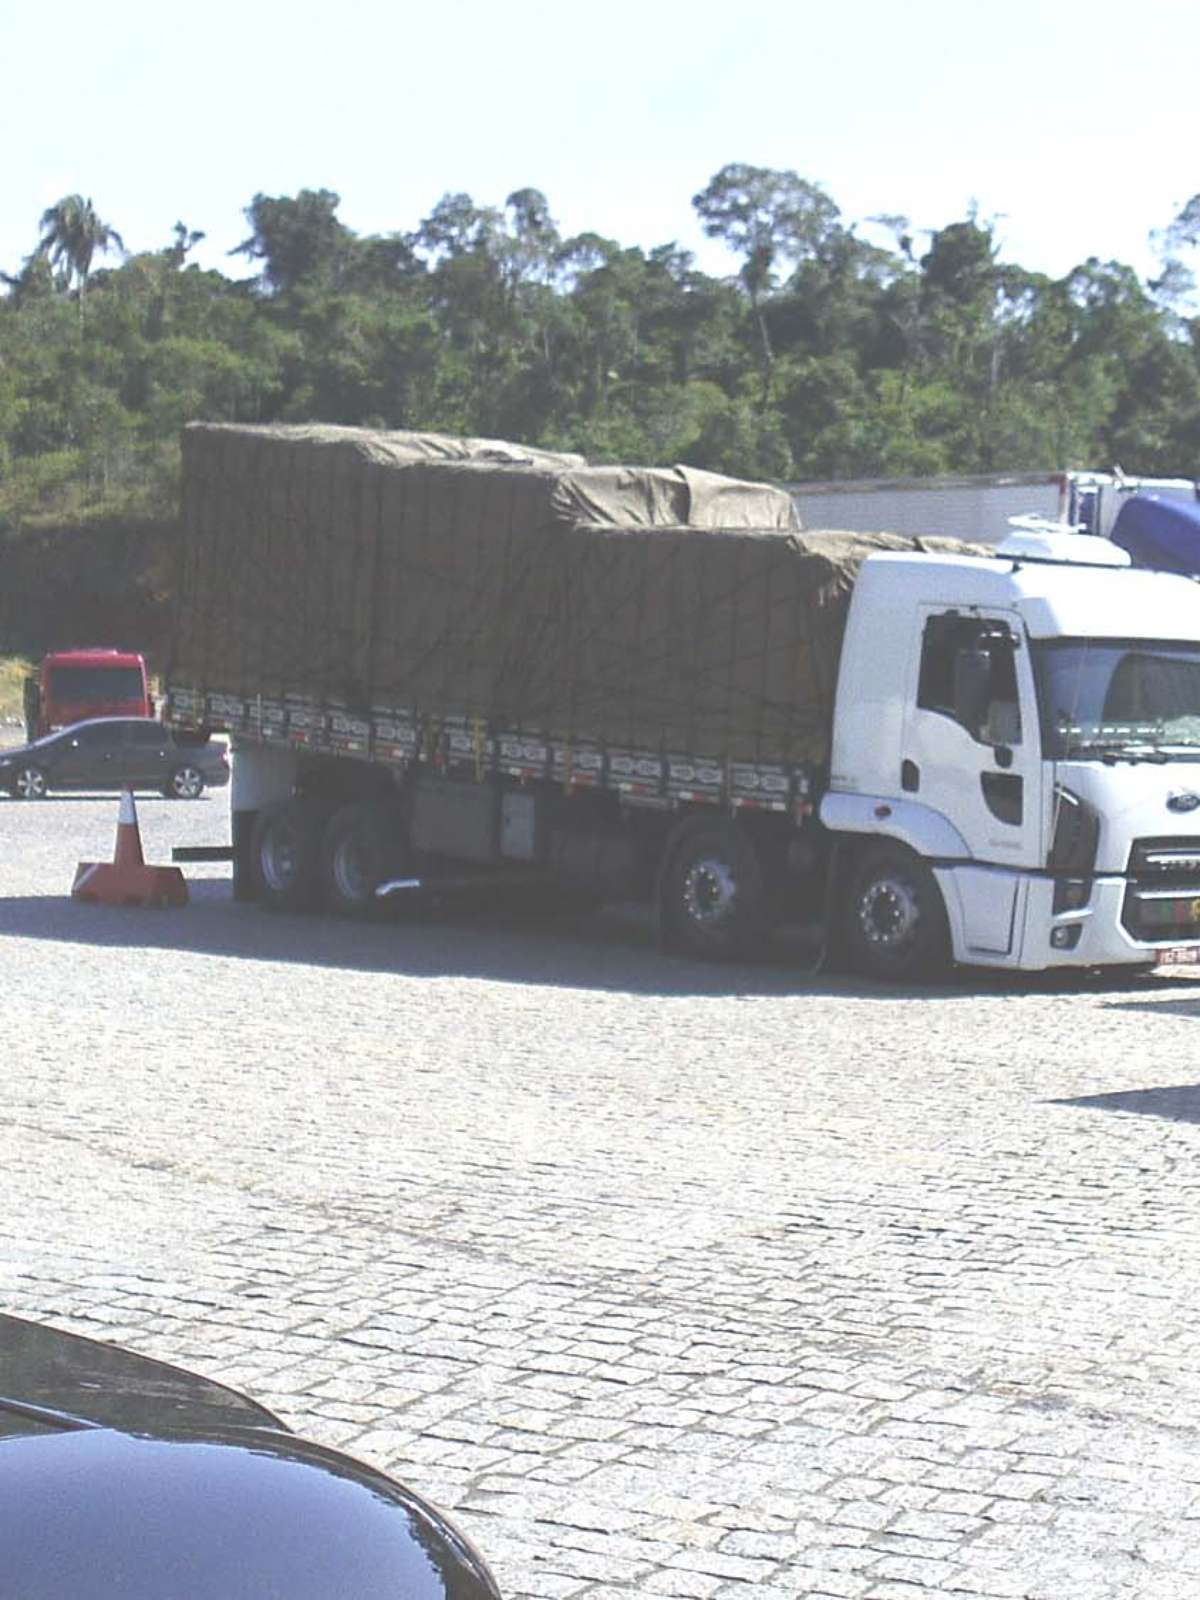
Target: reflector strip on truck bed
<point>471,747</point>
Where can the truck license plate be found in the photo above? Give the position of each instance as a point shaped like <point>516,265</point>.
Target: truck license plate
<point>1179,955</point>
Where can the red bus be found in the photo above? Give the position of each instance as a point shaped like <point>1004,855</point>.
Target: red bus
<point>71,685</point>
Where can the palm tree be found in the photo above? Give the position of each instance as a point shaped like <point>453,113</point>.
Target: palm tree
<point>186,240</point>
<point>72,233</point>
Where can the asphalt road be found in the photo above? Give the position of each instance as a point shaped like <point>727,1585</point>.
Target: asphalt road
<point>665,1280</point>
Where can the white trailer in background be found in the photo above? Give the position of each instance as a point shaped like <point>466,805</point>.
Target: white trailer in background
<point>977,508</point>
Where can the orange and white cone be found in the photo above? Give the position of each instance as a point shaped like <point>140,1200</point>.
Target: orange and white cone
<point>128,849</point>
<point>126,880</point>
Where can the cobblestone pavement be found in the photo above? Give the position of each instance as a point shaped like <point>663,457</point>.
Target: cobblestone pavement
<point>665,1280</point>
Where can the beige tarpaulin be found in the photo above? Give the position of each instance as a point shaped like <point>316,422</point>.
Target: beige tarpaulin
<point>667,610</point>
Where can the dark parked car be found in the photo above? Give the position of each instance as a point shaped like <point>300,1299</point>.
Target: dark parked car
<point>114,753</point>
<point>122,1478</point>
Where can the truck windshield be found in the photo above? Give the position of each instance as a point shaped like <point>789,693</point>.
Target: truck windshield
<point>84,685</point>
<point>1119,699</point>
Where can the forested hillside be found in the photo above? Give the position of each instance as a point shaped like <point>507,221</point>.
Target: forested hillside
<point>835,349</point>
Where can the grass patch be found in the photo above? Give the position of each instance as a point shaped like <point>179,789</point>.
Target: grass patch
<point>13,670</point>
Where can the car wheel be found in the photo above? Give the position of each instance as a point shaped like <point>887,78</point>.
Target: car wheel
<point>185,783</point>
<point>895,920</point>
<point>284,855</point>
<point>362,846</point>
<point>29,783</point>
<point>713,902</point>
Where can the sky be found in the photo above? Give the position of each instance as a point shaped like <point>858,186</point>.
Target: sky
<point>1071,126</point>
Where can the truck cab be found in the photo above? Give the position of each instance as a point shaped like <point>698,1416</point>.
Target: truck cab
<point>73,685</point>
<point>1024,731</point>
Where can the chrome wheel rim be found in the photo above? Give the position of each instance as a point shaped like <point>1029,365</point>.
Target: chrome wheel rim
<point>888,913</point>
<point>30,784</point>
<point>709,892</point>
<point>187,783</point>
<point>278,860</point>
<point>353,874</point>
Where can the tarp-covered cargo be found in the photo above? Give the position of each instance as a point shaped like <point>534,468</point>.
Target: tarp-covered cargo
<point>664,610</point>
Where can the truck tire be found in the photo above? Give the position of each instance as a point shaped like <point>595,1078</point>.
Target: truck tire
<point>712,897</point>
<point>362,846</point>
<point>285,855</point>
<point>894,922</point>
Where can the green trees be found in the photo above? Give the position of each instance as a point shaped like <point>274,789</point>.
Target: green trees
<point>297,240</point>
<point>766,217</point>
<point>72,234</point>
<point>828,349</point>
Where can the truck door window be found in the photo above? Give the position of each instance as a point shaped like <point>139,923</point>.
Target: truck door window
<point>996,718</point>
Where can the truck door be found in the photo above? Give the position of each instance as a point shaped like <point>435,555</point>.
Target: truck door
<point>971,752</point>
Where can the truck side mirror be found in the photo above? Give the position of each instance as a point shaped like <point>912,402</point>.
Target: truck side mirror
<point>972,687</point>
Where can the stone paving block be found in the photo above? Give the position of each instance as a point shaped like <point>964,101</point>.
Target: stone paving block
<point>817,1584</point>
<point>537,1239</point>
<point>685,1585</point>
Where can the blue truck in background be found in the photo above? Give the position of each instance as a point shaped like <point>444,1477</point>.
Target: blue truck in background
<point>1160,531</point>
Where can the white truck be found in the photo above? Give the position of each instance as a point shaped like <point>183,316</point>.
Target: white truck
<point>448,662</point>
<point>979,508</point>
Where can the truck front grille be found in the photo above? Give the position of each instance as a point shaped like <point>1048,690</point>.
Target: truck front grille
<point>1162,898</point>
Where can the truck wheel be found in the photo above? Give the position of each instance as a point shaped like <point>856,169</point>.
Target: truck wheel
<point>713,902</point>
<point>29,783</point>
<point>284,855</point>
<point>362,847</point>
<point>895,920</point>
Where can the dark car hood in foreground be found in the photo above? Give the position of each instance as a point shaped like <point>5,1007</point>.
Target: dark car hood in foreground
<point>104,1384</point>
<point>122,1478</point>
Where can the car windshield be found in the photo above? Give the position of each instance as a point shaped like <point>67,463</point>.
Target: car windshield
<point>1116,699</point>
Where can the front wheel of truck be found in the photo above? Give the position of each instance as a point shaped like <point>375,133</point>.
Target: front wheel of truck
<point>284,855</point>
<point>713,901</point>
<point>894,921</point>
<point>362,847</point>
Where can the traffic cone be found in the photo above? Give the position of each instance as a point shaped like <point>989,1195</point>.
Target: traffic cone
<point>126,880</point>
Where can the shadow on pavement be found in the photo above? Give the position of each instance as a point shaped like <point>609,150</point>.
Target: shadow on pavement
<point>1180,1103</point>
<point>611,951</point>
<point>1180,1008</point>
<point>143,797</point>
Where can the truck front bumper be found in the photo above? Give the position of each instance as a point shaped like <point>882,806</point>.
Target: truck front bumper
<point>1093,935</point>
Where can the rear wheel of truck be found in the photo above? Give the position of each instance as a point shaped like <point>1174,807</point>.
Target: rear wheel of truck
<point>713,902</point>
<point>362,847</point>
<point>284,855</point>
<point>894,922</point>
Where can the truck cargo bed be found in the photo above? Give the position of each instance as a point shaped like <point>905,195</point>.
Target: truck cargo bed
<point>405,738</point>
